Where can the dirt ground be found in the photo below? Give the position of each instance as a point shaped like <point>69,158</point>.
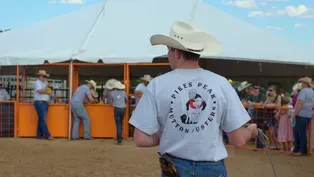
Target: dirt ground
<point>102,158</point>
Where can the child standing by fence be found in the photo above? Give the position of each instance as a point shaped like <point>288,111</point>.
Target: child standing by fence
<point>285,131</point>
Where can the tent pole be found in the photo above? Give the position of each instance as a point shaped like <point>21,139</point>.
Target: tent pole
<point>194,10</point>
<point>70,97</point>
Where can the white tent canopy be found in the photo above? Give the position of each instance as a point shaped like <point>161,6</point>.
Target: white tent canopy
<point>118,31</point>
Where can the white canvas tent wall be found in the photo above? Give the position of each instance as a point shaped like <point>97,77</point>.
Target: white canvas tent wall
<point>118,31</point>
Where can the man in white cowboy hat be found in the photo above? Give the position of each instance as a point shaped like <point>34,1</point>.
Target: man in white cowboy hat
<point>41,100</point>
<point>160,118</point>
<point>4,95</point>
<point>243,86</point>
<point>107,89</point>
<point>118,98</point>
<point>303,114</point>
<point>84,91</point>
<point>141,88</point>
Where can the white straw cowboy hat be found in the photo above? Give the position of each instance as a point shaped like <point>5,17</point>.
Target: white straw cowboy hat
<point>119,85</point>
<point>188,37</point>
<point>243,85</point>
<point>92,83</point>
<point>307,80</point>
<point>147,78</point>
<point>42,73</point>
<point>110,84</point>
<point>297,86</point>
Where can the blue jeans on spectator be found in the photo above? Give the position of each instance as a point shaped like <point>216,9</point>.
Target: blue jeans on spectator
<point>187,168</point>
<point>79,112</point>
<point>118,117</point>
<point>42,109</point>
<point>250,111</point>
<point>300,134</point>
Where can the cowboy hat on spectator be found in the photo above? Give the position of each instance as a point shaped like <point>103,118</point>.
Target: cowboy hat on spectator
<point>307,80</point>
<point>42,73</point>
<point>297,86</point>
<point>243,86</point>
<point>110,84</point>
<point>188,37</point>
<point>147,78</point>
<point>119,85</point>
<point>92,83</point>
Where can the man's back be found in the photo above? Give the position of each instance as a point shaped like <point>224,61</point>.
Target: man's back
<point>307,96</point>
<point>80,94</point>
<point>191,106</point>
<point>118,98</point>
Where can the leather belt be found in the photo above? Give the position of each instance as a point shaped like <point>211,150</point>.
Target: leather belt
<point>42,101</point>
<point>191,160</point>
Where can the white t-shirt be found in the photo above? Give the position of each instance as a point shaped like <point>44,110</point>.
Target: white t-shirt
<point>190,107</point>
<point>140,88</point>
<point>38,86</point>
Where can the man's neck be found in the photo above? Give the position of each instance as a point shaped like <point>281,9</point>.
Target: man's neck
<point>188,65</point>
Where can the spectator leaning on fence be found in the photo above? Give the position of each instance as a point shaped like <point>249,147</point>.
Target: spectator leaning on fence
<point>4,95</point>
<point>242,90</point>
<point>255,99</point>
<point>41,99</point>
<point>77,107</point>
<point>273,100</point>
<point>303,115</point>
<point>185,111</point>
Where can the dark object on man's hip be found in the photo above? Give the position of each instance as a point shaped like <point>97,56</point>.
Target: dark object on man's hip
<point>167,166</point>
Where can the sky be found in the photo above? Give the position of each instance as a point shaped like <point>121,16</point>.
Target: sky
<point>291,19</point>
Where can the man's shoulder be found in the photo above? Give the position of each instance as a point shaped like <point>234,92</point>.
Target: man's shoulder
<point>306,90</point>
<point>83,86</point>
<point>202,73</point>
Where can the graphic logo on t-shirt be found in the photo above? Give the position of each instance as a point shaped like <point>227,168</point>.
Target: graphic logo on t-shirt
<point>193,107</point>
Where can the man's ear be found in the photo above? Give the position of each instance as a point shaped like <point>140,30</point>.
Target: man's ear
<point>177,53</point>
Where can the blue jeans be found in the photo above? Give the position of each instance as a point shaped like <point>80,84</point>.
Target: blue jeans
<point>42,109</point>
<point>187,168</point>
<point>79,112</point>
<point>118,117</point>
<point>300,134</point>
<point>250,111</point>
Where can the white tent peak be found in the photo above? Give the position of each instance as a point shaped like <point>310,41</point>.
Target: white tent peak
<point>118,32</point>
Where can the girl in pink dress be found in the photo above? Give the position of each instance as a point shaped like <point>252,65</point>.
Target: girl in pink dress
<point>285,131</point>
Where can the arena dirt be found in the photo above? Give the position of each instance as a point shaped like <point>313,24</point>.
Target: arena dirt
<point>102,158</point>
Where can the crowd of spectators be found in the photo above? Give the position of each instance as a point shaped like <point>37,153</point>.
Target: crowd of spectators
<point>284,117</point>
